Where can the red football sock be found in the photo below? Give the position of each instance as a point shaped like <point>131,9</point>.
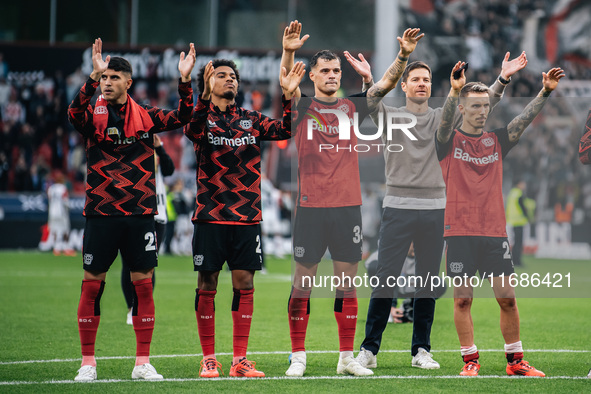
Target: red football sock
<point>298,311</point>
<point>242,307</point>
<point>345,311</point>
<point>143,317</point>
<point>205,312</point>
<point>89,315</point>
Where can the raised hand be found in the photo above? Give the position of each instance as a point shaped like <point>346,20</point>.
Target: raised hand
<point>550,80</point>
<point>510,67</point>
<point>458,84</point>
<point>290,82</point>
<point>291,37</point>
<point>99,66</point>
<point>410,39</point>
<point>361,66</point>
<point>208,81</point>
<point>187,63</point>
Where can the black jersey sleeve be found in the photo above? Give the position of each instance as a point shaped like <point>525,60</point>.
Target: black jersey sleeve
<point>442,149</point>
<point>503,136</point>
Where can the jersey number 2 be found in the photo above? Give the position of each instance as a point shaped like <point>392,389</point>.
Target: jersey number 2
<point>151,245</point>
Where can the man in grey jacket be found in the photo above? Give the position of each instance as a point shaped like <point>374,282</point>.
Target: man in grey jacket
<point>413,205</point>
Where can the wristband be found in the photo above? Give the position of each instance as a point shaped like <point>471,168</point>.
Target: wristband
<point>504,81</point>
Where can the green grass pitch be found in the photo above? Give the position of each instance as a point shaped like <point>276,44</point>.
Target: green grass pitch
<point>40,350</point>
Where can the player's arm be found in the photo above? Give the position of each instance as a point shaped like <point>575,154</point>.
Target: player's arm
<point>195,129</point>
<point>446,126</point>
<point>585,142</point>
<point>80,110</point>
<point>508,69</point>
<point>177,118</point>
<point>408,43</point>
<point>291,43</point>
<point>518,125</point>
<point>271,129</point>
<point>166,163</point>
<point>362,67</point>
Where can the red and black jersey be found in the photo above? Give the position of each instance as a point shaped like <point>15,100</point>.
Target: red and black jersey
<point>472,167</point>
<point>328,165</point>
<point>585,142</point>
<point>228,152</point>
<point>120,171</point>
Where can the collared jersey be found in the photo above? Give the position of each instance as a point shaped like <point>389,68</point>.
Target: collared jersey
<point>120,173</point>
<point>228,153</point>
<point>328,165</point>
<point>472,167</point>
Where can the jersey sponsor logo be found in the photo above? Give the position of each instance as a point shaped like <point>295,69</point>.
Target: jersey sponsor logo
<point>464,156</point>
<point>299,251</point>
<point>246,140</point>
<point>488,141</point>
<point>100,110</point>
<point>88,258</point>
<point>198,259</point>
<point>130,140</point>
<point>456,267</point>
<point>246,124</point>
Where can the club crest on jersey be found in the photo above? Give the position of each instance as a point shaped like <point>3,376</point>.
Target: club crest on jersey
<point>488,141</point>
<point>88,258</point>
<point>344,108</point>
<point>299,251</point>
<point>456,267</point>
<point>100,110</point>
<point>246,124</point>
<point>198,259</point>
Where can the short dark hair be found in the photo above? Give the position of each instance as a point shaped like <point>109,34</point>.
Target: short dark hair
<point>325,54</point>
<point>217,63</point>
<point>414,66</point>
<point>473,87</point>
<point>120,64</point>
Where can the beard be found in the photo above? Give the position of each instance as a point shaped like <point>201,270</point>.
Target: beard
<point>229,95</point>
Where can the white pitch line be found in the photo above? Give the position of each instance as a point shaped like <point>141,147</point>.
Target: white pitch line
<point>66,360</point>
<point>280,378</point>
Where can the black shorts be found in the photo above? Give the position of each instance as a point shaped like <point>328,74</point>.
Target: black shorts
<point>487,255</point>
<point>105,236</point>
<point>338,229</point>
<point>239,245</point>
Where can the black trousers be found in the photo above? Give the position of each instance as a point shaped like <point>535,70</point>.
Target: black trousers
<point>400,227</point>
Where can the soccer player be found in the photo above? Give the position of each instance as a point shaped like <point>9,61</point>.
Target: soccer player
<point>227,141</point>
<point>164,167</point>
<point>328,213</point>
<point>413,206</point>
<point>472,164</point>
<point>58,220</point>
<point>120,195</point>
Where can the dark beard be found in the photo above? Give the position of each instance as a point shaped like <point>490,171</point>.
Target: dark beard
<point>229,95</point>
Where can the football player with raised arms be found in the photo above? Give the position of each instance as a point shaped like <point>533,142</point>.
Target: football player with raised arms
<point>475,228</point>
